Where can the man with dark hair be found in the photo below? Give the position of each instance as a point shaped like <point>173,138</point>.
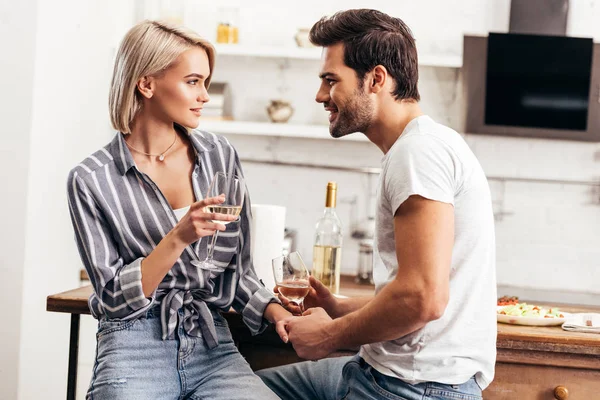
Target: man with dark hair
<point>430,330</point>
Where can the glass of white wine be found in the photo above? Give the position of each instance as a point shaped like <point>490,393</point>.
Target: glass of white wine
<point>232,187</point>
<point>291,277</point>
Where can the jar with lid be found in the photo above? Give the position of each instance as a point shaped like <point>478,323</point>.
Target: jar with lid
<point>227,28</point>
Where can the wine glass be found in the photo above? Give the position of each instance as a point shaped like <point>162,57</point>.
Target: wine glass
<point>233,188</point>
<point>291,277</point>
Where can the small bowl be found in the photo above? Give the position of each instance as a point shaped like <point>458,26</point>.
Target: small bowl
<point>280,111</point>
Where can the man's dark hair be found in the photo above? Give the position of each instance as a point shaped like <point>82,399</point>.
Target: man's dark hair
<point>373,38</point>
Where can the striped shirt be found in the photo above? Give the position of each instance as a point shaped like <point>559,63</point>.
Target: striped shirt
<point>119,215</point>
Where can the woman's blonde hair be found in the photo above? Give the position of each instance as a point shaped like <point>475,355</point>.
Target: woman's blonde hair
<point>149,48</point>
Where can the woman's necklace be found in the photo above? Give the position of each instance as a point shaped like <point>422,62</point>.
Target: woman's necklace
<point>161,156</point>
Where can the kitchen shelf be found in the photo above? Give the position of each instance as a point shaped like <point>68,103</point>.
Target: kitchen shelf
<point>314,53</point>
<point>274,129</point>
<point>302,53</point>
<point>446,60</point>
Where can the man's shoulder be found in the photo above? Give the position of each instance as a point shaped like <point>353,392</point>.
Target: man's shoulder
<point>426,130</point>
<point>419,142</point>
<point>429,137</point>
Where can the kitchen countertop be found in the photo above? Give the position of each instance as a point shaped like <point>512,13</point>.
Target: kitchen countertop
<point>550,296</point>
<point>578,349</point>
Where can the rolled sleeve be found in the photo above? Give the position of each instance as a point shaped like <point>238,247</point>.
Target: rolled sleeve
<point>131,285</point>
<point>252,313</point>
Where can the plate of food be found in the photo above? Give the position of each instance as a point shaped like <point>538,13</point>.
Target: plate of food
<point>513,312</point>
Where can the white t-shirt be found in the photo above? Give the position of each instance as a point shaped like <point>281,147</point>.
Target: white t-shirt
<point>433,161</point>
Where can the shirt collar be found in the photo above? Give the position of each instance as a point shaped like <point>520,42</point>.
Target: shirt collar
<point>124,160</point>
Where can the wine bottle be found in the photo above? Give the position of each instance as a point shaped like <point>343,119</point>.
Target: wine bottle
<point>327,249</point>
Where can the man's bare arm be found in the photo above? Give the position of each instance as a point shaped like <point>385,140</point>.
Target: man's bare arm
<point>424,236</point>
<point>348,305</point>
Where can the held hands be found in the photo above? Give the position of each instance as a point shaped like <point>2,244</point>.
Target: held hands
<point>198,223</point>
<point>311,331</point>
<point>318,296</point>
<point>312,334</point>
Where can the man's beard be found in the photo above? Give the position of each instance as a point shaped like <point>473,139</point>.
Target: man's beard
<point>354,116</point>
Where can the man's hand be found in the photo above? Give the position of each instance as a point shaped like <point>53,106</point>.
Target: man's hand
<point>318,296</point>
<point>311,334</point>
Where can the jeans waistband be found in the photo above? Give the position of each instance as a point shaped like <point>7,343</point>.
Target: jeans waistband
<point>153,311</point>
<point>470,385</point>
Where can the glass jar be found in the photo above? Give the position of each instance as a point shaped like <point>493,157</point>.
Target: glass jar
<point>227,27</point>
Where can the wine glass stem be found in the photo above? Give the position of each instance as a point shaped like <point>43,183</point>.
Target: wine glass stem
<point>211,249</point>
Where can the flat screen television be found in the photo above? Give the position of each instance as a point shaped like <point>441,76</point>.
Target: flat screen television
<point>532,86</point>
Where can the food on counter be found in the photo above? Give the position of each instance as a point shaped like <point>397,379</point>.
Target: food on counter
<point>529,310</point>
<point>506,300</point>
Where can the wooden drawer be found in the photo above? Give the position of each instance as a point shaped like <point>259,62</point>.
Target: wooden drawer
<point>537,382</point>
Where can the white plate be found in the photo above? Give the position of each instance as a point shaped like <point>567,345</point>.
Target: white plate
<point>532,321</point>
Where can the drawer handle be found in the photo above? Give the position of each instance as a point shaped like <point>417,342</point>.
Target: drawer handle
<point>561,393</point>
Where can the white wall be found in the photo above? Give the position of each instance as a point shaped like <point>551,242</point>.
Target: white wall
<point>17,20</point>
<point>55,76</point>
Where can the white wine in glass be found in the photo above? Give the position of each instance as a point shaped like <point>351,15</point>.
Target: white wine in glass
<point>233,188</point>
<point>291,277</point>
<point>223,209</point>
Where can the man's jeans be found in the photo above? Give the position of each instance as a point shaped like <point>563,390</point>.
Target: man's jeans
<point>134,363</point>
<point>353,378</point>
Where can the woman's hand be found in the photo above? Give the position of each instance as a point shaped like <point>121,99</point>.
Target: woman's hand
<point>276,314</point>
<point>198,223</point>
<point>318,296</point>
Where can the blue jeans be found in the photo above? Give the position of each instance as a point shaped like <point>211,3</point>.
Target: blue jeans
<point>134,363</point>
<point>353,378</point>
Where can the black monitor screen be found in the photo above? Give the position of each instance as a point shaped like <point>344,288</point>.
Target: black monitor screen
<point>538,81</point>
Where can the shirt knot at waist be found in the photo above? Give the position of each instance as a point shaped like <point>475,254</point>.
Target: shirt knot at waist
<point>196,318</point>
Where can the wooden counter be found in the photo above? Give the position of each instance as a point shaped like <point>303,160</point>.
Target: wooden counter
<point>546,363</point>
<point>533,363</point>
<point>536,363</point>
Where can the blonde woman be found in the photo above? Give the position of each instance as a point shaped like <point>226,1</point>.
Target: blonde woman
<point>137,209</point>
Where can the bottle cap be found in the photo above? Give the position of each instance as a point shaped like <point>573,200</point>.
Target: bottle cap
<point>330,198</point>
